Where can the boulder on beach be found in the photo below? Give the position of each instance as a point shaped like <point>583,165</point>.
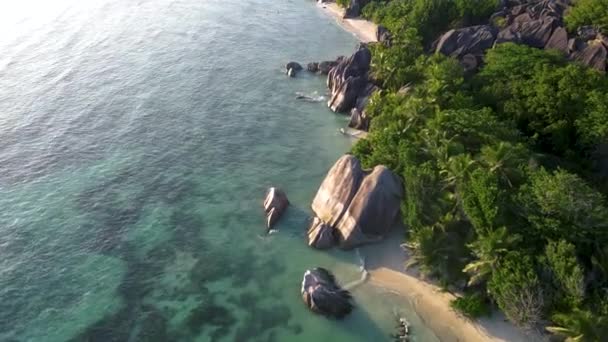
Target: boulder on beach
<point>362,206</point>
<point>275,204</point>
<point>383,35</point>
<point>323,295</point>
<point>373,211</point>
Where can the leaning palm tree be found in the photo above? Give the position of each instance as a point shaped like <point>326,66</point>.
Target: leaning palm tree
<point>502,159</point>
<point>488,248</point>
<point>580,326</point>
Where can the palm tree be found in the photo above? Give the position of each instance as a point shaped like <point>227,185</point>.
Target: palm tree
<point>580,326</point>
<point>488,249</point>
<point>503,159</point>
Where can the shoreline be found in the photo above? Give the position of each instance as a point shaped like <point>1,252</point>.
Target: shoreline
<point>363,30</point>
<point>431,303</point>
<point>387,258</point>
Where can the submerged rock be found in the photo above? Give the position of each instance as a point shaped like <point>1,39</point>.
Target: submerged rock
<point>322,294</point>
<point>275,204</point>
<point>361,207</point>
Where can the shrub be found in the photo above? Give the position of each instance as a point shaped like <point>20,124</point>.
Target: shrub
<point>471,305</point>
<point>588,12</point>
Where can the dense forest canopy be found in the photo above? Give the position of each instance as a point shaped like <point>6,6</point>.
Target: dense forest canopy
<point>505,184</point>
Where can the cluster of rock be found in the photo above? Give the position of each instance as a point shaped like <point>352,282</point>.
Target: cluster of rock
<point>350,87</point>
<point>535,23</point>
<point>324,67</point>
<point>354,206</point>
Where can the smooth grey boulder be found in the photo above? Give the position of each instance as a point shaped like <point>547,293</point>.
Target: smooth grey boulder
<point>558,41</point>
<point>320,235</point>
<point>594,56</point>
<point>275,204</point>
<point>354,8</point>
<point>322,294</point>
<point>348,80</point>
<point>338,189</point>
<point>362,207</point>
<point>468,40</point>
<point>358,120</point>
<point>373,211</point>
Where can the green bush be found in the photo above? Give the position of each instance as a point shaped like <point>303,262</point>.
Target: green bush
<point>567,273</point>
<point>471,305</point>
<point>546,97</point>
<point>588,12</point>
<point>343,3</point>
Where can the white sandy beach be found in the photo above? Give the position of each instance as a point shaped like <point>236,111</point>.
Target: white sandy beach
<point>385,264</point>
<point>364,30</point>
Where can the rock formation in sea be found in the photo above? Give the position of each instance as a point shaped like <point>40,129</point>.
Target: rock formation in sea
<point>535,23</point>
<point>292,68</point>
<point>323,295</point>
<point>349,80</point>
<point>275,204</point>
<point>356,206</point>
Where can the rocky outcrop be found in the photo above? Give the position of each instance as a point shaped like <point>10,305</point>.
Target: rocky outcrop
<point>320,235</point>
<point>360,206</point>
<point>558,41</point>
<point>292,68</point>
<point>472,40</point>
<point>354,8</point>
<point>594,55</point>
<point>359,120</point>
<point>275,204</point>
<point>323,295</point>
<point>348,80</point>
<point>535,23</point>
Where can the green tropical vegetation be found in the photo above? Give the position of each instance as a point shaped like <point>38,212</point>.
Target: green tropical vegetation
<point>504,192</point>
<point>588,12</point>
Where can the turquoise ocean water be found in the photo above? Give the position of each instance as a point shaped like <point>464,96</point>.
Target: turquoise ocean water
<point>137,139</point>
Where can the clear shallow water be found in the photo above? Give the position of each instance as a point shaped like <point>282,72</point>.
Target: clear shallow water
<point>137,139</point>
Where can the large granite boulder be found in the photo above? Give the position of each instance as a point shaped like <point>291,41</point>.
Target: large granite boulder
<point>338,189</point>
<point>469,40</point>
<point>594,56</point>
<point>348,80</point>
<point>373,211</point>
<point>275,204</point>
<point>360,206</point>
<point>323,295</point>
<point>558,41</point>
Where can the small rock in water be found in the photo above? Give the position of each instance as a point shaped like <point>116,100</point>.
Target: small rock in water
<point>274,205</point>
